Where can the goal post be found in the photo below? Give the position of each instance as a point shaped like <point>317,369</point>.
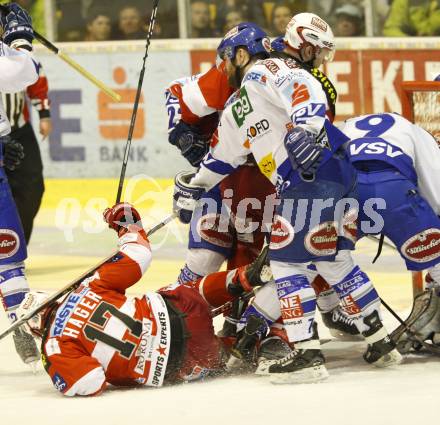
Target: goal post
<point>421,105</point>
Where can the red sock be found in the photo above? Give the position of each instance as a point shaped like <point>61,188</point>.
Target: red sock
<point>214,287</point>
<point>320,285</point>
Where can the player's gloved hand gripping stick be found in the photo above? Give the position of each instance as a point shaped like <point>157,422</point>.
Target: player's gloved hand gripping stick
<point>17,24</point>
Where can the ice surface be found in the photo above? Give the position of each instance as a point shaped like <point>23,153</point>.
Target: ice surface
<point>355,393</point>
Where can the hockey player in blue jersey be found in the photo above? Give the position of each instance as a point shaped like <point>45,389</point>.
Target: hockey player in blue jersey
<point>17,71</point>
<point>300,152</point>
<point>399,162</point>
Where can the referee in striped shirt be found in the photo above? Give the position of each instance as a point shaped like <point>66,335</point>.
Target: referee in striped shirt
<point>26,181</point>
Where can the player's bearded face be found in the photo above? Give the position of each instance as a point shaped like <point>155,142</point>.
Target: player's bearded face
<point>228,68</point>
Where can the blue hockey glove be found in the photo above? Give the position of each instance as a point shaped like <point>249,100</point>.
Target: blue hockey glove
<point>185,196</point>
<point>13,152</point>
<point>17,24</point>
<point>303,150</point>
<point>193,145</point>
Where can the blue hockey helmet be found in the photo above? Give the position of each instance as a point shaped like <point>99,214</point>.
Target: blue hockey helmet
<point>245,34</point>
<point>278,45</point>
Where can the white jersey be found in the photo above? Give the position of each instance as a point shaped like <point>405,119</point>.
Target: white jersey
<point>276,94</point>
<point>393,139</point>
<point>17,71</point>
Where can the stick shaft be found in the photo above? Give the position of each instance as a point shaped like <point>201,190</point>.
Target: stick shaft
<point>75,65</point>
<point>49,45</point>
<point>75,283</point>
<point>385,243</point>
<point>136,103</point>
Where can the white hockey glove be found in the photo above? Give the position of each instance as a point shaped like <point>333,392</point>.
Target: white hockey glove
<point>185,196</point>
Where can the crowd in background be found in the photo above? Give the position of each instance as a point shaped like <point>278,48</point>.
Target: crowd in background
<point>96,20</point>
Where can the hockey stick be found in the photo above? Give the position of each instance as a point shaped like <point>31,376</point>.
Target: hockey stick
<point>393,313</point>
<point>385,243</point>
<point>63,56</point>
<point>75,283</point>
<point>136,102</point>
<point>227,306</point>
<point>412,334</point>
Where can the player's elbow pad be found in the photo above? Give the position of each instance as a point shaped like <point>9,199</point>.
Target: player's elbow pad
<point>90,384</point>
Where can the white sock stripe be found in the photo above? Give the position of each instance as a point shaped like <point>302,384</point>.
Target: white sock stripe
<point>380,334</point>
<point>202,283</point>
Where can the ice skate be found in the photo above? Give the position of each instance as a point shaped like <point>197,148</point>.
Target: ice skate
<point>299,367</point>
<point>340,325</point>
<point>381,351</point>
<point>244,352</point>
<point>271,350</point>
<point>303,365</point>
<point>26,346</point>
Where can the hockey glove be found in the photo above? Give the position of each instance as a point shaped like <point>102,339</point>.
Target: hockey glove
<point>121,215</point>
<point>13,152</point>
<point>191,143</point>
<point>17,24</point>
<point>303,150</point>
<point>185,196</point>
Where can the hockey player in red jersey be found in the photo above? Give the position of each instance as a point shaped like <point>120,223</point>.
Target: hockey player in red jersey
<point>99,336</point>
<point>193,105</point>
<point>245,201</point>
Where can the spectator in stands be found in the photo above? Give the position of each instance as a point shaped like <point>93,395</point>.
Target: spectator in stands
<point>349,21</point>
<point>232,19</point>
<point>323,8</point>
<point>251,10</point>
<point>281,15</point>
<point>36,10</point>
<point>98,26</point>
<point>201,20</point>
<point>70,21</point>
<point>413,17</point>
<point>131,26</point>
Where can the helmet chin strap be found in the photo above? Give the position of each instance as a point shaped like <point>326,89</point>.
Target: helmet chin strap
<point>238,74</point>
<point>309,62</point>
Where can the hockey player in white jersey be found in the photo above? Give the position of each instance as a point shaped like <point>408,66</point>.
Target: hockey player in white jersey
<point>299,151</point>
<point>17,71</point>
<point>399,162</point>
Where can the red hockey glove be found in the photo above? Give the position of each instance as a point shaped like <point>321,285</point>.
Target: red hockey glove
<point>121,215</point>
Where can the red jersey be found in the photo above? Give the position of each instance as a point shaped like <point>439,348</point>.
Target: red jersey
<point>196,100</point>
<point>100,335</point>
<point>201,95</point>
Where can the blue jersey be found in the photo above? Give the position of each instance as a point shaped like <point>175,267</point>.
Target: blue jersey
<point>393,140</point>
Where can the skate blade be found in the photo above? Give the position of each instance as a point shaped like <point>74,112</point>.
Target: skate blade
<point>393,358</point>
<point>343,336</point>
<point>304,376</point>
<point>33,365</point>
<point>263,367</point>
<point>238,366</point>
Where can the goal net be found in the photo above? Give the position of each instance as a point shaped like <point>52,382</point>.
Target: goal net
<point>421,105</point>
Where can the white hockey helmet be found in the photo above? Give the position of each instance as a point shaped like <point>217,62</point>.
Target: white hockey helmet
<point>308,28</point>
<point>31,301</point>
